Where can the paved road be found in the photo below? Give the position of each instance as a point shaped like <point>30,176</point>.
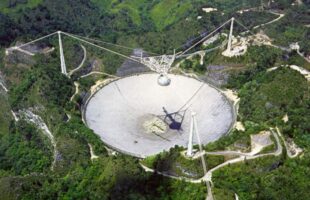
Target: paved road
<point>272,21</point>
<point>208,176</point>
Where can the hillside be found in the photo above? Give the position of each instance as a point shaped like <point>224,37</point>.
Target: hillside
<point>47,150</point>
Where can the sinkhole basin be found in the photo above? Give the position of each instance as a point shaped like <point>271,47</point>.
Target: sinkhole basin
<point>136,116</point>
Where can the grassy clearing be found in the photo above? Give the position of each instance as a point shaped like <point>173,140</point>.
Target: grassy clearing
<point>169,11</point>
<point>163,13</point>
<point>7,7</point>
<point>132,7</point>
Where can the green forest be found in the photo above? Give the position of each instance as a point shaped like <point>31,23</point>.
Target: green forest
<point>31,169</point>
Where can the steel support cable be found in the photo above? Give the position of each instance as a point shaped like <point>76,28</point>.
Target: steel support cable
<point>248,30</point>
<point>127,103</point>
<point>137,108</point>
<point>203,161</point>
<point>100,47</point>
<point>117,45</point>
<point>204,165</point>
<point>192,97</point>
<point>111,51</point>
<point>197,52</point>
<point>193,39</point>
<point>106,49</point>
<point>41,38</point>
<point>204,38</point>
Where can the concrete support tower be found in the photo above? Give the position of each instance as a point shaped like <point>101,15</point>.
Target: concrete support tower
<point>62,57</point>
<point>193,130</point>
<point>230,34</point>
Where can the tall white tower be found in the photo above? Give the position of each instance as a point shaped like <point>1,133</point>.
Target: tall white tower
<point>193,130</point>
<point>230,34</point>
<point>62,57</point>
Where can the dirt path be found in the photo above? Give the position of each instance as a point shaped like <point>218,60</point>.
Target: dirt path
<point>302,55</point>
<point>76,90</point>
<point>293,147</point>
<point>92,154</point>
<point>301,70</point>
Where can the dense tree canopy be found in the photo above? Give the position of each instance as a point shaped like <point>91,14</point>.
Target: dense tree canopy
<point>26,154</point>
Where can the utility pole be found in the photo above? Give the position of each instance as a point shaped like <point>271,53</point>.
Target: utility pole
<point>62,57</point>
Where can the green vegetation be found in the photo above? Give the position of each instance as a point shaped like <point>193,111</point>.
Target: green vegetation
<point>5,115</point>
<point>176,164</point>
<point>295,59</point>
<point>131,8</point>
<point>43,86</point>
<point>251,19</point>
<point>8,6</point>
<point>246,179</point>
<point>265,99</point>
<point>291,26</point>
<point>237,138</point>
<point>169,11</point>
<point>266,178</point>
<point>230,6</point>
<point>258,59</point>
<point>24,150</point>
<point>270,96</point>
<point>193,65</point>
<point>106,178</point>
<point>26,154</point>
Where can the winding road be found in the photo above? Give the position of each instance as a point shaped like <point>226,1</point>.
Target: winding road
<point>272,21</point>
<point>242,156</point>
<point>81,64</point>
<point>96,72</point>
<point>208,176</point>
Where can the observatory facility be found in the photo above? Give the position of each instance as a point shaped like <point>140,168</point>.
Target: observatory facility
<point>144,114</point>
<point>138,116</point>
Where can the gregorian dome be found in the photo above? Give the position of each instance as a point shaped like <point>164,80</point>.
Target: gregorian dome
<point>163,80</point>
